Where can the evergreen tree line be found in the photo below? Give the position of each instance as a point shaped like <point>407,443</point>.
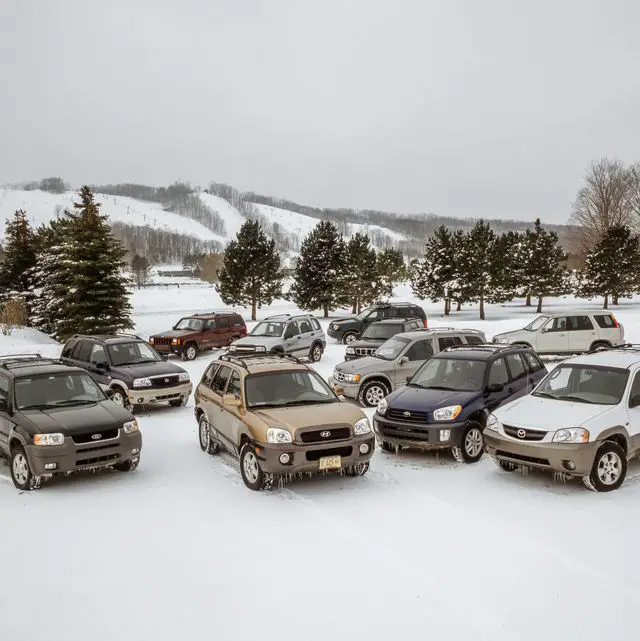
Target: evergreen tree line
<point>67,275</point>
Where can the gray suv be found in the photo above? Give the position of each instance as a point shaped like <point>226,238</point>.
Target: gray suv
<point>299,336</point>
<point>371,378</point>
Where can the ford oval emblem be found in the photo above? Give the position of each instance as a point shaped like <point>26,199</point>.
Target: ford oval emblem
<point>325,434</point>
<point>96,437</point>
<point>521,433</point>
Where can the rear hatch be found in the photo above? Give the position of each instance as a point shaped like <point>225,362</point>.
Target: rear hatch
<point>609,328</point>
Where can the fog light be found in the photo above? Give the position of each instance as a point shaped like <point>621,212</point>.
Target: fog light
<point>50,466</point>
<point>140,401</point>
<point>570,465</point>
<point>135,451</point>
<point>285,458</point>
<point>364,448</point>
<point>445,435</point>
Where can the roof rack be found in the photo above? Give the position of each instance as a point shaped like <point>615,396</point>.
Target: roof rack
<point>14,357</point>
<point>214,313</point>
<point>15,361</point>
<point>276,316</point>
<point>484,347</point>
<point>628,346</point>
<point>242,360</point>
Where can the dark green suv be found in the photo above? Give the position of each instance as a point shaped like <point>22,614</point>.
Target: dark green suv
<point>55,419</point>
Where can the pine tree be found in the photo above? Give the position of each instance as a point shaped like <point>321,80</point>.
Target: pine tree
<point>544,262</point>
<point>391,270</point>
<point>17,268</point>
<point>319,269</point>
<point>251,273</point>
<point>361,278</point>
<point>612,266</point>
<point>141,268</point>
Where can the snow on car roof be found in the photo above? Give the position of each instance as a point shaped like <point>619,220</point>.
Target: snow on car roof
<point>613,358</point>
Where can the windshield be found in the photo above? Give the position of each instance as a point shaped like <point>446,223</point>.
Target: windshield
<point>390,350</point>
<point>266,328</point>
<point>363,314</point>
<point>194,324</point>
<point>132,354</point>
<point>377,331</point>
<point>57,390</point>
<point>454,374</point>
<point>584,384</point>
<point>537,323</point>
<point>277,389</point>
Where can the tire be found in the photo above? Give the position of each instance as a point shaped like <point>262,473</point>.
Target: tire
<point>359,469</point>
<point>315,353</point>
<point>471,445</point>
<point>21,474</point>
<point>349,337</point>
<point>385,446</point>
<point>372,393</point>
<point>609,468</point>
<point>127,466</point>
<point>207,444</point>
<point>506,466</point>
<point>252,475</point>
<point>599,346</point>
<point>190,352</point>
<point>120,397</point>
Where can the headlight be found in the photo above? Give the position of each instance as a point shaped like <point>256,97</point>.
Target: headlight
<point>130,427</point>
<point>352,378</point>
<point>362,427</point>
<point>500,339</point>
<point>382,407</point>
<point>151,339</point>
<point>336,327</point>
<point>571,435</point>
<point>175,341</point>
<point>447,413</point>
<point>261,348</point>
<point>493,423</point>
<point>350,350</point>
<point>142,382</point>
<point>233,348</point>
<point>48,439</point>
<point>183,377</point>
<point>277,435</point>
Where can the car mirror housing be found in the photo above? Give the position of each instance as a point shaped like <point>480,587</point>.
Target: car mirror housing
<point>404,360</point>
<point>231,400</point>
<point>4,405</point>
<point>495,387</point>
<point>102,365</point>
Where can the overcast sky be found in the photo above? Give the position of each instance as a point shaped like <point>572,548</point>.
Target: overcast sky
<point>457,107</point>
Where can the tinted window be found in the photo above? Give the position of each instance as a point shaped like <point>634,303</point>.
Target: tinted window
<point>579,323</point>
<point>305,326</point>
<point>234,385</point>
<point>449,341</point>
<point>420,351</point>
<point>534,363</point>
<point>223,323</point>
<point>98,355</point>
<point>68,349</point>
<point>207,377</point>
<point>606,321</point>
<point>404,312</point>
<point>315,324</point>
<point>417,311</point>
<point>498,374</point>
<point>473,340</point>
<point>292,329</point>
<point>85,351</point>
<point>411,325</point>
<point>237,321</point>
<point>558,324</point>
<point>76,350</point>
<point>4,388</point>
<point>220,379</point>
<point>635,388</point>
<point>210,324</point>
<point>516,366</point>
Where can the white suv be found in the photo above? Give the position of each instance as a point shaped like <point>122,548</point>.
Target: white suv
<point>568,333</point>
<point>582,420</point>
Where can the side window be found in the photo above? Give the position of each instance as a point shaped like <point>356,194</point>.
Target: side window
<point>580,323</point>
<point>516,366</point>
<point>411,325</point>
<point>210,325</point>
<point>420,351</point>
<point>606,321</point>
<point>98,354</point>
<point>315,324</point>
<point>220,379</point>
<point>207,377</point>
<point>291,330</point>
<point>498,374</point>
<point>75,354</point>
<point>558,325</point>
<point>635,388</point>
<point>4,389</point>
<point>305,326</point>
<point>237,321</point>
<point>223,322</point>
<point>378,314</point>
<point>473,340</point>
<point>68,349</point>
<point>449,341</point>
<point>84,351</point>
<point>534,363</point>
<point>417,312</point>
<point>403,312</point>
<point>234,385</point>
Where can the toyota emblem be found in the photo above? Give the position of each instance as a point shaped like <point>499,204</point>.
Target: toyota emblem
<point>522,433</point>
<point>96,437</point>
<point>325,434</point>
<point>406,414</point>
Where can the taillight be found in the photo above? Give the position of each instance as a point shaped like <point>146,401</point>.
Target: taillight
<point>615,322</point>
<point>425,323</point>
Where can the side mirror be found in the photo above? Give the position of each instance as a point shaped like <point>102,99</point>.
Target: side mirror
<point>231,400</point>
<point>102,365</point>
<point>634,401</point>
<point>404,360</point>
<point>544,330</point>
<point>409,379</point>
<point>495,387</point>
<point>4,405</point>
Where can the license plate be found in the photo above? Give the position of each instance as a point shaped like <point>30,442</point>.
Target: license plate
<point>330,463</point>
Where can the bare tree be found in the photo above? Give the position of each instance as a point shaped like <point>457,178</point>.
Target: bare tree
<point>634,199</point>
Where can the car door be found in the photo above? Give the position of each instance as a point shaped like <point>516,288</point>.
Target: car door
<point>582,333</point>
<point>293,339</point>
<point>633,405</point>
<point>211,393</point>
<point>208,337</point>
<point>499,376</point>
<point>231,418</point>
<point>537,370</point>
<point>81,354</point>
<point>410,361</point>
<point>98,364</point>
<point>553,338</point>
<point>5,420</point>
<point>306,332</point>
<point>519,379</point>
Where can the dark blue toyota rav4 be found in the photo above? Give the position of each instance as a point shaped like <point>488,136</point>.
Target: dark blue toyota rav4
<point>446,402</point>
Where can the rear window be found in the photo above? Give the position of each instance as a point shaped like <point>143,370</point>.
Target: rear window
<point>606,321</point>
<point>473,340</point>
<point>534,363</point>
<point>449,341</point>
<point>237,321</point>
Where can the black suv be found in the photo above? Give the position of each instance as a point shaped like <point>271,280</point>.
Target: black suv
<point>377,333</point>
<point>55,419</point>
<point>445,404</point>
<point>130,367</point>
<point>349,329</point>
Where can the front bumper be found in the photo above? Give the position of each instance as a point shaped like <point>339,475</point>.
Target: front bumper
<point>306,458</point>
<point>423,436</point>
<point>72,457</point>
<point>168,349</point>
<point>350,390</point>
<point>150,395</point>
<point>543,456</point>
<point>334,333</point>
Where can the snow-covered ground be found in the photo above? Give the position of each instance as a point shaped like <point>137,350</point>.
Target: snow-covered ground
<point>421,547</point>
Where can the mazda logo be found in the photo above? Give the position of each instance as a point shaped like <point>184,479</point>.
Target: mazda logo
<point>325,434</point>
<point>406,414</point>
<point>521,433</point>
<point>96,437</point>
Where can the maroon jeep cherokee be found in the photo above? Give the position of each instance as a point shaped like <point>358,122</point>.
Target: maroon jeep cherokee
<point>200,332</point>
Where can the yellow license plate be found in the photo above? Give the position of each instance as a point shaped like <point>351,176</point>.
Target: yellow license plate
<point>330,463</point>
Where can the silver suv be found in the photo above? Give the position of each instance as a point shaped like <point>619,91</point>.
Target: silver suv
<point>299,336</point>
<point>568,333</point>
<point>371,378</point>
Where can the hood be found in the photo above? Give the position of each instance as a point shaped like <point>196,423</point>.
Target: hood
<point>175,333</point>
<point>364,364</point>
<point>142,370</point>
<point>514,333</point>
<point>416,399</point>
<point>294,418</point>
<point>79,419</point>
<point>267,341</point>
<point>547,414</point>
<point>371,343</point>
<point>345,319</point>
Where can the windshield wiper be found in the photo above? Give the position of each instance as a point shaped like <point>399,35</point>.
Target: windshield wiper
<point>546,395</point>
<point>440,387</point>
<point>575,399</point>
<point>306,402</point>
<point>139,362</point>
<point>36,406</point>
<point>83,401</point>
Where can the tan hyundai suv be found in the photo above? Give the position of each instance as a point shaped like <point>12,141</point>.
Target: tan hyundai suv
<point>279,418</point>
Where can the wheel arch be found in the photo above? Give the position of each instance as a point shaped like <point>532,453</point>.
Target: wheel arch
<point>618,435</point>
<point>380,378</point>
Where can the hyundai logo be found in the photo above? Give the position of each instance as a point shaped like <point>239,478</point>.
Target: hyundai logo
<point>96,437</point>
<point>521,433</point>
<point>406,414</point>
<point>325,434</point>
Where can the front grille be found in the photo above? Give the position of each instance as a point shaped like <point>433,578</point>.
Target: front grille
<point>325,435</point>
<point>243,349</point>
<point>97,459</point>
<point>525,435</point>
<point>339,376</point>
<point>521,457</point>
<point>94,437</point>
<point>161,340</point>
<point>316,455</point>
<point>404,432</point>
<point>408,416</point>
<point>84,450</point>
<point>164,381</point>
